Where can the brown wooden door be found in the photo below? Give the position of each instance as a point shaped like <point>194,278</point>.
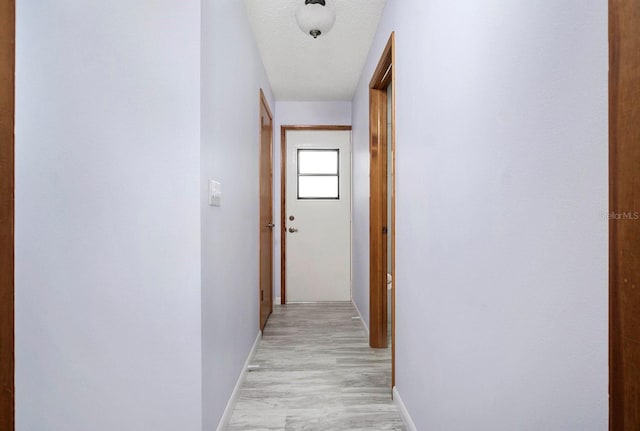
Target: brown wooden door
<point>266,211</point>
<point>378,219</point>
<point>624,214</point>
<point>382,200</point>
<point>7,54</point>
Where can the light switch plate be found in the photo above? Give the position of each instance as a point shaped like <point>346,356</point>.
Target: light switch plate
<point>215,193</point>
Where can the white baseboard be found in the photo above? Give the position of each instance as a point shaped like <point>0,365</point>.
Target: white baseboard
<point>404,413</point>
<point>277,300</point>
<point>364,323</point>
<point>231,404</point>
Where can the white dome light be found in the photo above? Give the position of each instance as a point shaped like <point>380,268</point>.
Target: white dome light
<point>314,18</point>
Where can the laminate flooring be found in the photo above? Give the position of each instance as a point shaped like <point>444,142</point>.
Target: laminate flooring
<point>317,372</point>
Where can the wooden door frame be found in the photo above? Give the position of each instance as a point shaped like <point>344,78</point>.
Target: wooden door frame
<point>383,75</point>
<point>624,156</point>
<point>283,197</point>
<point>7,190</point>
<point>265,103</point>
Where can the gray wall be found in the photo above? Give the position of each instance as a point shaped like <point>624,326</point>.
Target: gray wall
<point>232,74</point>
<point>107,216</point>
<point>502,186</point>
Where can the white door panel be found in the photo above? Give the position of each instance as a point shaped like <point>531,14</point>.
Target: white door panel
<point>318,252</point>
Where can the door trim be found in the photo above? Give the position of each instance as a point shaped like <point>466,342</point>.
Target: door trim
<point>264,103</point>
<point>383,75</point>
<point>283,197</point>
<point>624,156</point>
<point>7,214</point>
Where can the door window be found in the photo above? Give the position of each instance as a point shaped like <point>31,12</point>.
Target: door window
<point>318,174</point>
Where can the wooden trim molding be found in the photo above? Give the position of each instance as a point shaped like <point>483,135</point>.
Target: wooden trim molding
<point>7,187</point>
<point>283,222</point>
<point>264,101</point>
<point>624,201</point>
<point>382,76</point>
<point>265,288</point>
<point>393,213</point>
<point>379,224</point>
<point>283,197</point>
<point>317,127</point>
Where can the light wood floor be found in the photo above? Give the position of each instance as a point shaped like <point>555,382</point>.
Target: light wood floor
<point>317,372</point>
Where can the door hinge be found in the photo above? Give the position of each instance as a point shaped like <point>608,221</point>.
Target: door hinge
<point>384,229</point>
<point>262,295</point>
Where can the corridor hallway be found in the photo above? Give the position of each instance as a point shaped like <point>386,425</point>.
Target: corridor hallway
<point>317,372</point>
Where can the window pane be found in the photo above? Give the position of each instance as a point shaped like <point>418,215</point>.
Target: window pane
<point>318,162</point>
<point>318,187</point>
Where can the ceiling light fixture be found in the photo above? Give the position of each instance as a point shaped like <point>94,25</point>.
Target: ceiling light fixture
<point>315,18</point>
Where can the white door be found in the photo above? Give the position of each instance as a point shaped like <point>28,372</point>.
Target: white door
<point>318,215</point>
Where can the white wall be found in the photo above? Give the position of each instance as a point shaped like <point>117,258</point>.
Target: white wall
<point>107,216</point>
<point>232,74</point>
<point>333,113</point>
<point>502,186</point>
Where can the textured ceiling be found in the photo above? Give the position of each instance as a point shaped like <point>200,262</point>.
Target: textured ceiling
<point>302,68</point>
